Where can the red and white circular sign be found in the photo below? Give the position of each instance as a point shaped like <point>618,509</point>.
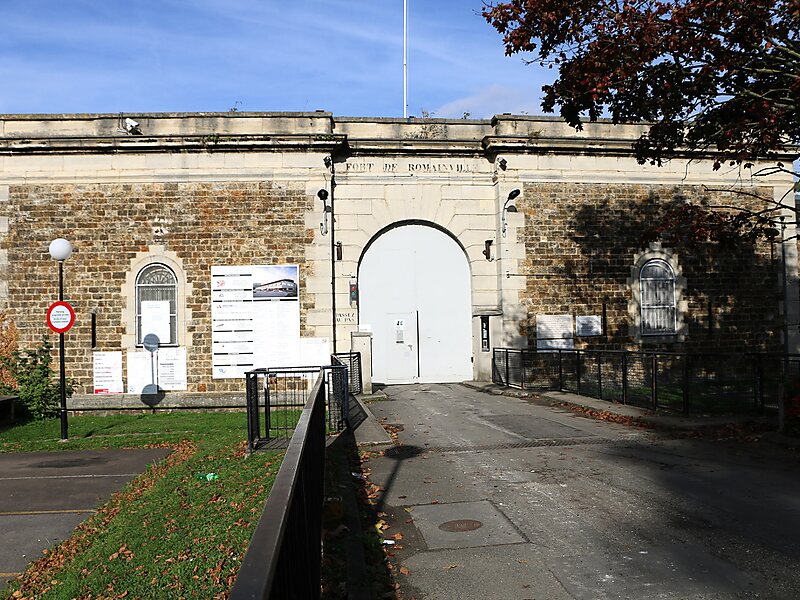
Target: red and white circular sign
<point>60,317</point>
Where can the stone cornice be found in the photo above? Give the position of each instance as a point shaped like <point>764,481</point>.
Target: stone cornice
<point>186,143</point>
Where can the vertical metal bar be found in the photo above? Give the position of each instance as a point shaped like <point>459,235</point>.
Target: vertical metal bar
<point>560,371</point>
<point>624,377</point>
<point>267,403</point>
<point>600,375</point>
<point>522,369</point>
<point>687,378</point>
<point>578,369</point>
<point>653,378</point>
<point>507,360</point>
<point>760,387</point>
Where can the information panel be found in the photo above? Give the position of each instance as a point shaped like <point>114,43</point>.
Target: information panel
<point>171,368</point>
<point>108,373</point>
<point>255,318</point>
<point>588,326</point>
<point>554,332</point>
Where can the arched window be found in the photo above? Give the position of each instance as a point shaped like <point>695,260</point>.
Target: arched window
<point>658,302</point>
<point>157,300</point>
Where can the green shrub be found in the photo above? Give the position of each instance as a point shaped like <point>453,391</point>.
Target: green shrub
<point>36,384</point>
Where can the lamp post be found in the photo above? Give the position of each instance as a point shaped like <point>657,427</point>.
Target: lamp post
<point>60,250</point>
<point>508,208</point>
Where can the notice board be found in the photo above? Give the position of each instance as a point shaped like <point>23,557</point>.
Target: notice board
<point>255,318</point>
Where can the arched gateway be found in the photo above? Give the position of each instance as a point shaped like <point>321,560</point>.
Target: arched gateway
<point>414,288</point>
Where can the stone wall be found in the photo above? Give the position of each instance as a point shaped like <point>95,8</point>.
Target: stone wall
<point>581,241</point>
<point>110,225</point>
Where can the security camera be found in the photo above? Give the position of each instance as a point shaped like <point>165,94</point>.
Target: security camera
<point>132,127</point>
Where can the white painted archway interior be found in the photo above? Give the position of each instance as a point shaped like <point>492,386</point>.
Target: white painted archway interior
<point>414,294</point>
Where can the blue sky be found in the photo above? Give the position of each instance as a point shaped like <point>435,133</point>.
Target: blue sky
<point>344,56</point>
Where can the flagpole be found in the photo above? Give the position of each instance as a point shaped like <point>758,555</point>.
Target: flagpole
<point>405,59</point>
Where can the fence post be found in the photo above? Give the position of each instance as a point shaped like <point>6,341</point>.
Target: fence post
<point>508,384</point>
<point>578,369</point>
<point>522,369</point>
<point>759,387</point>
<point>560,372</point>
<point>267,415</point>
<point>600,375</point>
<point>653,380</point>
<point>624,377</point>
<point>687,377</point>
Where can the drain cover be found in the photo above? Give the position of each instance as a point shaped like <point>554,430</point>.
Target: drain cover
<point>460,525</point>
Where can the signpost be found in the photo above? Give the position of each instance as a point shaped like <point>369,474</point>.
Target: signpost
<point>60,317</point>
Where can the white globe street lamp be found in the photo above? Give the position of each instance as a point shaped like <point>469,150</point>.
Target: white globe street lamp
<point>60,250</point>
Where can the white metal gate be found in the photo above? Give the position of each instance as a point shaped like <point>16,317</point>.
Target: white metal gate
<point>414,293</point>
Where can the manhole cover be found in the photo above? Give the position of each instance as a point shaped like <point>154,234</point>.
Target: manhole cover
<point>460,525</point>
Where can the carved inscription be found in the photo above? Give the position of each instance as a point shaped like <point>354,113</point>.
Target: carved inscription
<point>413,167</point>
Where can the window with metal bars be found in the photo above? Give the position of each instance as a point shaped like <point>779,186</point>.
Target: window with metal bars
<point>157,282</point>
<point>658,302</point>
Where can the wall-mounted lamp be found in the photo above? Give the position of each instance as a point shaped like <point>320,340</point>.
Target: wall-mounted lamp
<point>508,208</point>
<point>502,163</point>
<point>328,161</point>
<point>487,249</point>
<point>338,250</point>
<point>323,226</point>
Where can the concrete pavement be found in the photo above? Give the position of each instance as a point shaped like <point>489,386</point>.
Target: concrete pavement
<point>45,495</point>
<point>499,497</point>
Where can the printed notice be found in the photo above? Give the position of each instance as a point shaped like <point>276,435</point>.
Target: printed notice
<point>141,372</point>
<point>588,326</point>
<point>108,373</point>
<point>255,318</point>
<point>171,369</point>
<point>554,332</point>
<point>155,320</point>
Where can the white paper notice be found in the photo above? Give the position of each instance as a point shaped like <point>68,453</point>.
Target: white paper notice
<point>108,373</point>
<point>588,326</point>
<point>141,372</point>
<point>155,319</point>
<point>315,352</point>
<point>554,332</point>
<point>171,369</point>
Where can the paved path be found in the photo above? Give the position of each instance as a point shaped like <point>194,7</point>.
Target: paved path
<point>44,495</point>
<point>500,498</point>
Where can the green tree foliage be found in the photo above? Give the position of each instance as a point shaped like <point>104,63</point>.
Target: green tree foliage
<point>36,385</point>
<point>708,75</point>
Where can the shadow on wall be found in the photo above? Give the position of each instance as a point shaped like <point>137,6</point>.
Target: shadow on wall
<point>733,285</point>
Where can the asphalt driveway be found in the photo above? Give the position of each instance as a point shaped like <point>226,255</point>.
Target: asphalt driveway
<point>44,495</point>
<point>502,498</point>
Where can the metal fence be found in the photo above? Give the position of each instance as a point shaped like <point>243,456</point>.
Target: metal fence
<point>352,360</point>
<point>284,556</point>
<point>698,383</point>
<point>275,399</point>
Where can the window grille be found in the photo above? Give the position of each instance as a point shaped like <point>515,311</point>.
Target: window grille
<point>157,282</point>
<point>657,294</point>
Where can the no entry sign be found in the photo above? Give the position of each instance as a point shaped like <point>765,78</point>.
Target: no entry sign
<point>60,317</point>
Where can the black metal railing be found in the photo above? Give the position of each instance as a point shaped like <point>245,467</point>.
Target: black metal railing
<point>352,360</point>
<point>684,382</point>
<point>275,398</point>
<point>284,556</point>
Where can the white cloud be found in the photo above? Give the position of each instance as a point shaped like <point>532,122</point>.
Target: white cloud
<point>493,100</point>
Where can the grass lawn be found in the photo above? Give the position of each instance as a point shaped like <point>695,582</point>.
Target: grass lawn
<point>168,534</point>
